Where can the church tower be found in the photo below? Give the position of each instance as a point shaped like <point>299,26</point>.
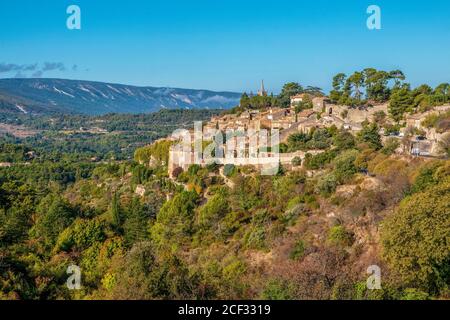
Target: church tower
<point>262,92</point>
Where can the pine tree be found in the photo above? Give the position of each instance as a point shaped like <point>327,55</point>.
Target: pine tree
<point>401,100</point>
<point>370,135</point>
<point>135,225</point>
<point>116,214</point>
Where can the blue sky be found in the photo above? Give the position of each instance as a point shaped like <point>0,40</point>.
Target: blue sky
<point>226,44</point>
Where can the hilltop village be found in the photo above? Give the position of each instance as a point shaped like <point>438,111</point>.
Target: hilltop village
<point>310,112</point>
<point>362,179</point>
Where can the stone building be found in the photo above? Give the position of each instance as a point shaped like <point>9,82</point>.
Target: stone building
<point>319,104</point>
<point>306,115</point>
<point>295,100</point>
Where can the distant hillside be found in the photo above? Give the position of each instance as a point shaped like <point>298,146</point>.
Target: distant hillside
<point>37,96</point>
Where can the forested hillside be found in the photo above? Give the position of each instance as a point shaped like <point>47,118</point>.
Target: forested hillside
<point>226,233</point>
<point>111,136</point>
<point>94,192</point>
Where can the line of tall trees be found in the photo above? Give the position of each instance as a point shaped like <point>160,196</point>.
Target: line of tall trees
<point>404,99</point>
<point>367,86</point>
<point>372,86</point>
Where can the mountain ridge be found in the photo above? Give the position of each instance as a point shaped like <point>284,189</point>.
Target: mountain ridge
<point>51,95</point>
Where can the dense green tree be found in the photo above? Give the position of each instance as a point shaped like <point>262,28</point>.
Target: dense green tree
<point>422,89</point>
<point>245,101</point>
<point>422,96</point>
<point>15,282</point>
<point>314,91</point>
<point>320,139</point>
<point>214,210</point>
<point>81,235</point>
<point>338,235</point>
<point>15,222</point>
<point>344,140</point>
<point>54,215</point>
<point>320,160</point>
<point>416,239</point>
<point>174,222</point>
<point>137,221</point>
<point>428,176</point>
<point>326,184</point>
<point>297,141</point>
<point>140,174</point>
<point>289,89</point>
<point>116,211</point>
<point>144,274</point>
<point>398,76</point>
<point>276,290</point>
<point>339,81</point>
<point>442,93</point>
<point>376,83</point>
<point>369,134</point>
<point>401,100</point>
<point>344,165</point>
